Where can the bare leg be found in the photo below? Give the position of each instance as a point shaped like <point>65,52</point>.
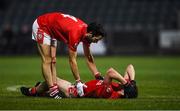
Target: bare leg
<point>113,74</point>
<point>130,72</point>
<point>53,65</point>
<point>62,84</point>
<point>45,52</point>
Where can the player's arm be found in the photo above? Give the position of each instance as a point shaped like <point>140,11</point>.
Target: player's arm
<point>73,64</point>
<point>130,72</point>
<point>90,60</point>
<point>75,71</point>
<point>113,74</point>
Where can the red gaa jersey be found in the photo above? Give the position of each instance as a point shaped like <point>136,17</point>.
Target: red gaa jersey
<point>63,27</point>
<point>98,89</point>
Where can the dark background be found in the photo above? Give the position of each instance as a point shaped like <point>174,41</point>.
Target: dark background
<point>133,26</point>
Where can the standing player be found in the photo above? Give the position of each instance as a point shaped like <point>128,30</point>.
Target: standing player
<point>49,28</point>
<point>126,88</point>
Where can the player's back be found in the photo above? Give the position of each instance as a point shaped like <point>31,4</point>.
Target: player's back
<point>58,25</point>
<point>98,89</point>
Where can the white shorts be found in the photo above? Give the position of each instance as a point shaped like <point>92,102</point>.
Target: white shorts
<point>41,37</point>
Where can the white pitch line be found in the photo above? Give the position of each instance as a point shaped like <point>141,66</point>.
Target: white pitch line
<point>14,88</point>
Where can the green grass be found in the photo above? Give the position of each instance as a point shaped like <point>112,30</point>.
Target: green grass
<point>158,79</point>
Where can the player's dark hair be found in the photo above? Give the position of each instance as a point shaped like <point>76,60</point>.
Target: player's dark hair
<point>96,29</point>
<point>131,90</point>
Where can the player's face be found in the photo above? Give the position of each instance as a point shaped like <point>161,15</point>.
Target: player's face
<point>95,39</point>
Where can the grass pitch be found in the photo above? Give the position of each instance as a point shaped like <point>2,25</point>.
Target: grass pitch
<point>158,79</point>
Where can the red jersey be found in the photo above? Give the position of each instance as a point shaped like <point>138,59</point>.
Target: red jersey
<point>63,27</point>
<point>98,89</point>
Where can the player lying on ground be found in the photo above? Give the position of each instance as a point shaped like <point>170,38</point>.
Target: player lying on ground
<point>124,88</point>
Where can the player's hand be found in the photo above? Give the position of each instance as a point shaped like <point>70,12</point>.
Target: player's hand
<point>98,76</point>
<point>80,87</point>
